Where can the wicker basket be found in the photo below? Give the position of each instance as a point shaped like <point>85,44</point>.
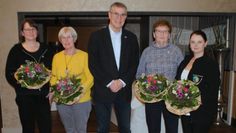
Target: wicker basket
<point>182,111</point>
<point>75,100</point>
<point>140,94</point>
<point>38,86</point>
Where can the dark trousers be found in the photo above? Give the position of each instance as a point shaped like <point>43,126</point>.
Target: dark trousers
<point>153,118</point>
<point>34,109</point>
<point>194,127</point>
<point>103,115</point>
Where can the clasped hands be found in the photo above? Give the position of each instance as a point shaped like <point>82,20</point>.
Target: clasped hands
<point>116,85</point>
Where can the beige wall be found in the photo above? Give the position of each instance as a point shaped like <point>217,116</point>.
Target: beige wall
<point>9,34</point>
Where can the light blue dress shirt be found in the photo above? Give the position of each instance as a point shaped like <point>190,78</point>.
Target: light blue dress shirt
<point>116,44</point>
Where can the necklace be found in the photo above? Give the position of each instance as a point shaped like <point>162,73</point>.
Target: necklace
<point>67,62</point>
<point>40,57</point>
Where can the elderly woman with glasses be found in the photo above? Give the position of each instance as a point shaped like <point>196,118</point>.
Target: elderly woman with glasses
<point>160,57</point>
<point>68,63</point>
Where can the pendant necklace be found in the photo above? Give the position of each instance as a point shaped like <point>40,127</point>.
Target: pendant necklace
<point>36,61</point>
<point>67,62</point>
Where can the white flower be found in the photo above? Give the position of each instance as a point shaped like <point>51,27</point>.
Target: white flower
<point>174,92</point>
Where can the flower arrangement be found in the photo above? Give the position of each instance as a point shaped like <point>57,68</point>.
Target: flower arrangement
<point>150,88</point>
<point>182,97</point>
<point>67,90</point>
<point>32,75</point>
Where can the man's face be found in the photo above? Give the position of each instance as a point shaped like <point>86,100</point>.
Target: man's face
<point>117,17</point>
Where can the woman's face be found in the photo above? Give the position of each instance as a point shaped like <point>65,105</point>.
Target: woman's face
<point>29,33</point>
<point>197,44</point>
<point>161,35</point>
<point>67,40</point>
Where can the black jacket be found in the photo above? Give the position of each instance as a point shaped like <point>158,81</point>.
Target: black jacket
<point>205,72</point>
<point>103,67</point>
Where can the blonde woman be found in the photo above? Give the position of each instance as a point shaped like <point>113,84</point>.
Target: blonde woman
<point>72,61</point>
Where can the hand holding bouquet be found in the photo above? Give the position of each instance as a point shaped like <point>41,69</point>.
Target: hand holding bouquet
<point>182,97</point>
<point>150,88</point>
<point>67,90</point>
<point>32,75</point>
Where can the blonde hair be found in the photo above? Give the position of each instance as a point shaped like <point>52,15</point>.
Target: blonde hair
<point>68,29</point>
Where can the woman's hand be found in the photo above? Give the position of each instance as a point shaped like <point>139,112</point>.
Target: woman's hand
<point>50,97</point>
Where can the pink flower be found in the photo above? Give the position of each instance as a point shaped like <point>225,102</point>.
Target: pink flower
<point>154,82</point>
<point>38,68</point>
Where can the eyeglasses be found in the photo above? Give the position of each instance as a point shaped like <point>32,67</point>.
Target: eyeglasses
<point>29,30</point>
<point>66,37</point>
<point>161,32</point>
<point>116,14</point>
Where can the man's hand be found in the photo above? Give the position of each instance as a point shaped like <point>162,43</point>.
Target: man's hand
<point>116,85</point>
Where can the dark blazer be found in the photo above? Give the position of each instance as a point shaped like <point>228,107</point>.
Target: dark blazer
<point>204,72</point>
<point>103,67</point>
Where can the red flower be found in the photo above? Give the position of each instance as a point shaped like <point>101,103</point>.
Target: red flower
<point>27,69</point>
<point>149,78</point>
<point>185,89</point>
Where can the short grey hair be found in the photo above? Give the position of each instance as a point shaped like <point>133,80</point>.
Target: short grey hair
<point>68,29</point>
<point>118,4</point>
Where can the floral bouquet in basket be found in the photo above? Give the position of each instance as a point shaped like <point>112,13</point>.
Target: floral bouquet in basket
<point>182,97</point>
<point>150,88</point>
<point>32,75</point>
<point>67,90</point>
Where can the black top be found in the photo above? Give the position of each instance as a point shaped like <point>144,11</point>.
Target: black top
<point>204,72</point>
<point>17,56</point>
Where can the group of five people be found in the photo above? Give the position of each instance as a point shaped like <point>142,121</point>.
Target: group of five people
<point>110,66</point>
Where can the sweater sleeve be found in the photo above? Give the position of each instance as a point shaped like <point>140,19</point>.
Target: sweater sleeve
<point>213,79</point>
<point>142,64</point>
<point>88,76</point>
<point>179,56</point>
<point>11,67</point>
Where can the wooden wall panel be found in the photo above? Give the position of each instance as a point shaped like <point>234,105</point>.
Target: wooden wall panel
<point>225,92</point>
<point>234,99</point>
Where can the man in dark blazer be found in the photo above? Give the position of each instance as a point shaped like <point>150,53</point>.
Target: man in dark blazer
<point>113,60</point>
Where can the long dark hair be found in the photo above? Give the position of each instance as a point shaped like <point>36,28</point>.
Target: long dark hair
<point>32,24</point>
